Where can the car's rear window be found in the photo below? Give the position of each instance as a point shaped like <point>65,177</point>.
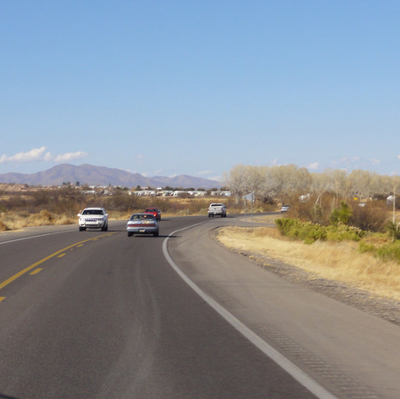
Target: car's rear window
<point>142,217</point>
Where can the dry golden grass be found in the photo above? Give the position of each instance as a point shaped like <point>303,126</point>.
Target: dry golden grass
<point>16,220</point>
<point>338,261</point>
<point>19,220</point>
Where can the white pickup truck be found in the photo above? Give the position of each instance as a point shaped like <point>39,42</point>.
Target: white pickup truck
<point>217,209</point>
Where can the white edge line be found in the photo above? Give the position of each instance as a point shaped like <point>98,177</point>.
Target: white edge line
<point>303,378</point>
<point>30,237</point>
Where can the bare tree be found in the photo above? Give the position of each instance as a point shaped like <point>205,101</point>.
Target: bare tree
<point>236,180</point>
<point>281,183</point>
<point>337,184</point>
<point>359,184</point>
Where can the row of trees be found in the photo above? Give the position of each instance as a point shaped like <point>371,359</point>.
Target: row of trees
<point>282,183</point>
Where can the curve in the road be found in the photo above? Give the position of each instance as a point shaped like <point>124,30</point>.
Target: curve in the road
<point>300,376</point>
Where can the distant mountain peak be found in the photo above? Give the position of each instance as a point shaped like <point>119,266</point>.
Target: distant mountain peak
<point>103,176</point>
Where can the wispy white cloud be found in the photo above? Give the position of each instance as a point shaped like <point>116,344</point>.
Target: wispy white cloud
<point>350,159</point>
<point>205,172</point>
<point>40,154</point>
<point>139,159</point>
<point>37,154</point>
<point>375,161</point>
<point>346,162</point>
<point>275,162</point>
<point>313,166</point>
<point>70,156</point>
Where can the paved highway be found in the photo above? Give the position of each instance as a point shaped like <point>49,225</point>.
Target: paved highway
<point>100,315</point>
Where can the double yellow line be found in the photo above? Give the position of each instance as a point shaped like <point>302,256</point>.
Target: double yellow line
<point>22,272</point>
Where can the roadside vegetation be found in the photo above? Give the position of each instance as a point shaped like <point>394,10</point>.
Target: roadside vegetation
<point>55,206</point>
<point>336,248</point>
<point>371,226</point>
<point>339,261</point>
<point>341,226</point>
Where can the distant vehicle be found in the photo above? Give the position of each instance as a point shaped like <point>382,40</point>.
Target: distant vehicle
<point>285,208</point>
<point>142,223</point>
<point>93,218</point>
<point>216,209</point>
<point>155,212</point>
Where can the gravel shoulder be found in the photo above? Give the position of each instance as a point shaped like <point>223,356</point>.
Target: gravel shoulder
<point>363,300</point>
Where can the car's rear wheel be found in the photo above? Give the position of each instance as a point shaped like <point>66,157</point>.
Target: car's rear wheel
<point>82,228</point>
<point>130,234</point>
<point>155,234</point>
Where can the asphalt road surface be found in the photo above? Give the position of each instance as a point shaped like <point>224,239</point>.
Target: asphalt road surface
<point>99,315</point>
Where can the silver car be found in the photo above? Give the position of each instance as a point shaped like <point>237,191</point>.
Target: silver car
<point>142,223</point>
<point>285,208</point>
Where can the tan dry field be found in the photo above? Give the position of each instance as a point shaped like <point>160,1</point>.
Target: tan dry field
<point>17,221</point>
<point>14,221</point>
<point>331,261</point>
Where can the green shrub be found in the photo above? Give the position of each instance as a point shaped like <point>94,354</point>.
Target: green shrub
<point>389,252</point>
<point>392,230</point>
<point>284,225</point>
<point>311,232</point>
<point>341,215</point>
<point>342,232</point>
<point>364,247</point>
<point>295,229</point>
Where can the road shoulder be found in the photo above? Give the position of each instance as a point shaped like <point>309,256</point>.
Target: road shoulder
<point>387,309</point>
<point>322,335</point>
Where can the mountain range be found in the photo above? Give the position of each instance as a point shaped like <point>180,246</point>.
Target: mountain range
<point>103,176</point>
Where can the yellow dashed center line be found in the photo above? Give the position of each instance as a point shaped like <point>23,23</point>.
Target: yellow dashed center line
<point>2,298</point>
<point>60,256</point>
<point>36,271</point>
<point>27,269</point>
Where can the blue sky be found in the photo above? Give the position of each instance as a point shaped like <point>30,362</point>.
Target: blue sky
<point>196,87</point>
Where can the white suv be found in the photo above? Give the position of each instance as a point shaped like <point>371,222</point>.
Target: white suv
<point>93,218</point>
<point>217,209</point>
